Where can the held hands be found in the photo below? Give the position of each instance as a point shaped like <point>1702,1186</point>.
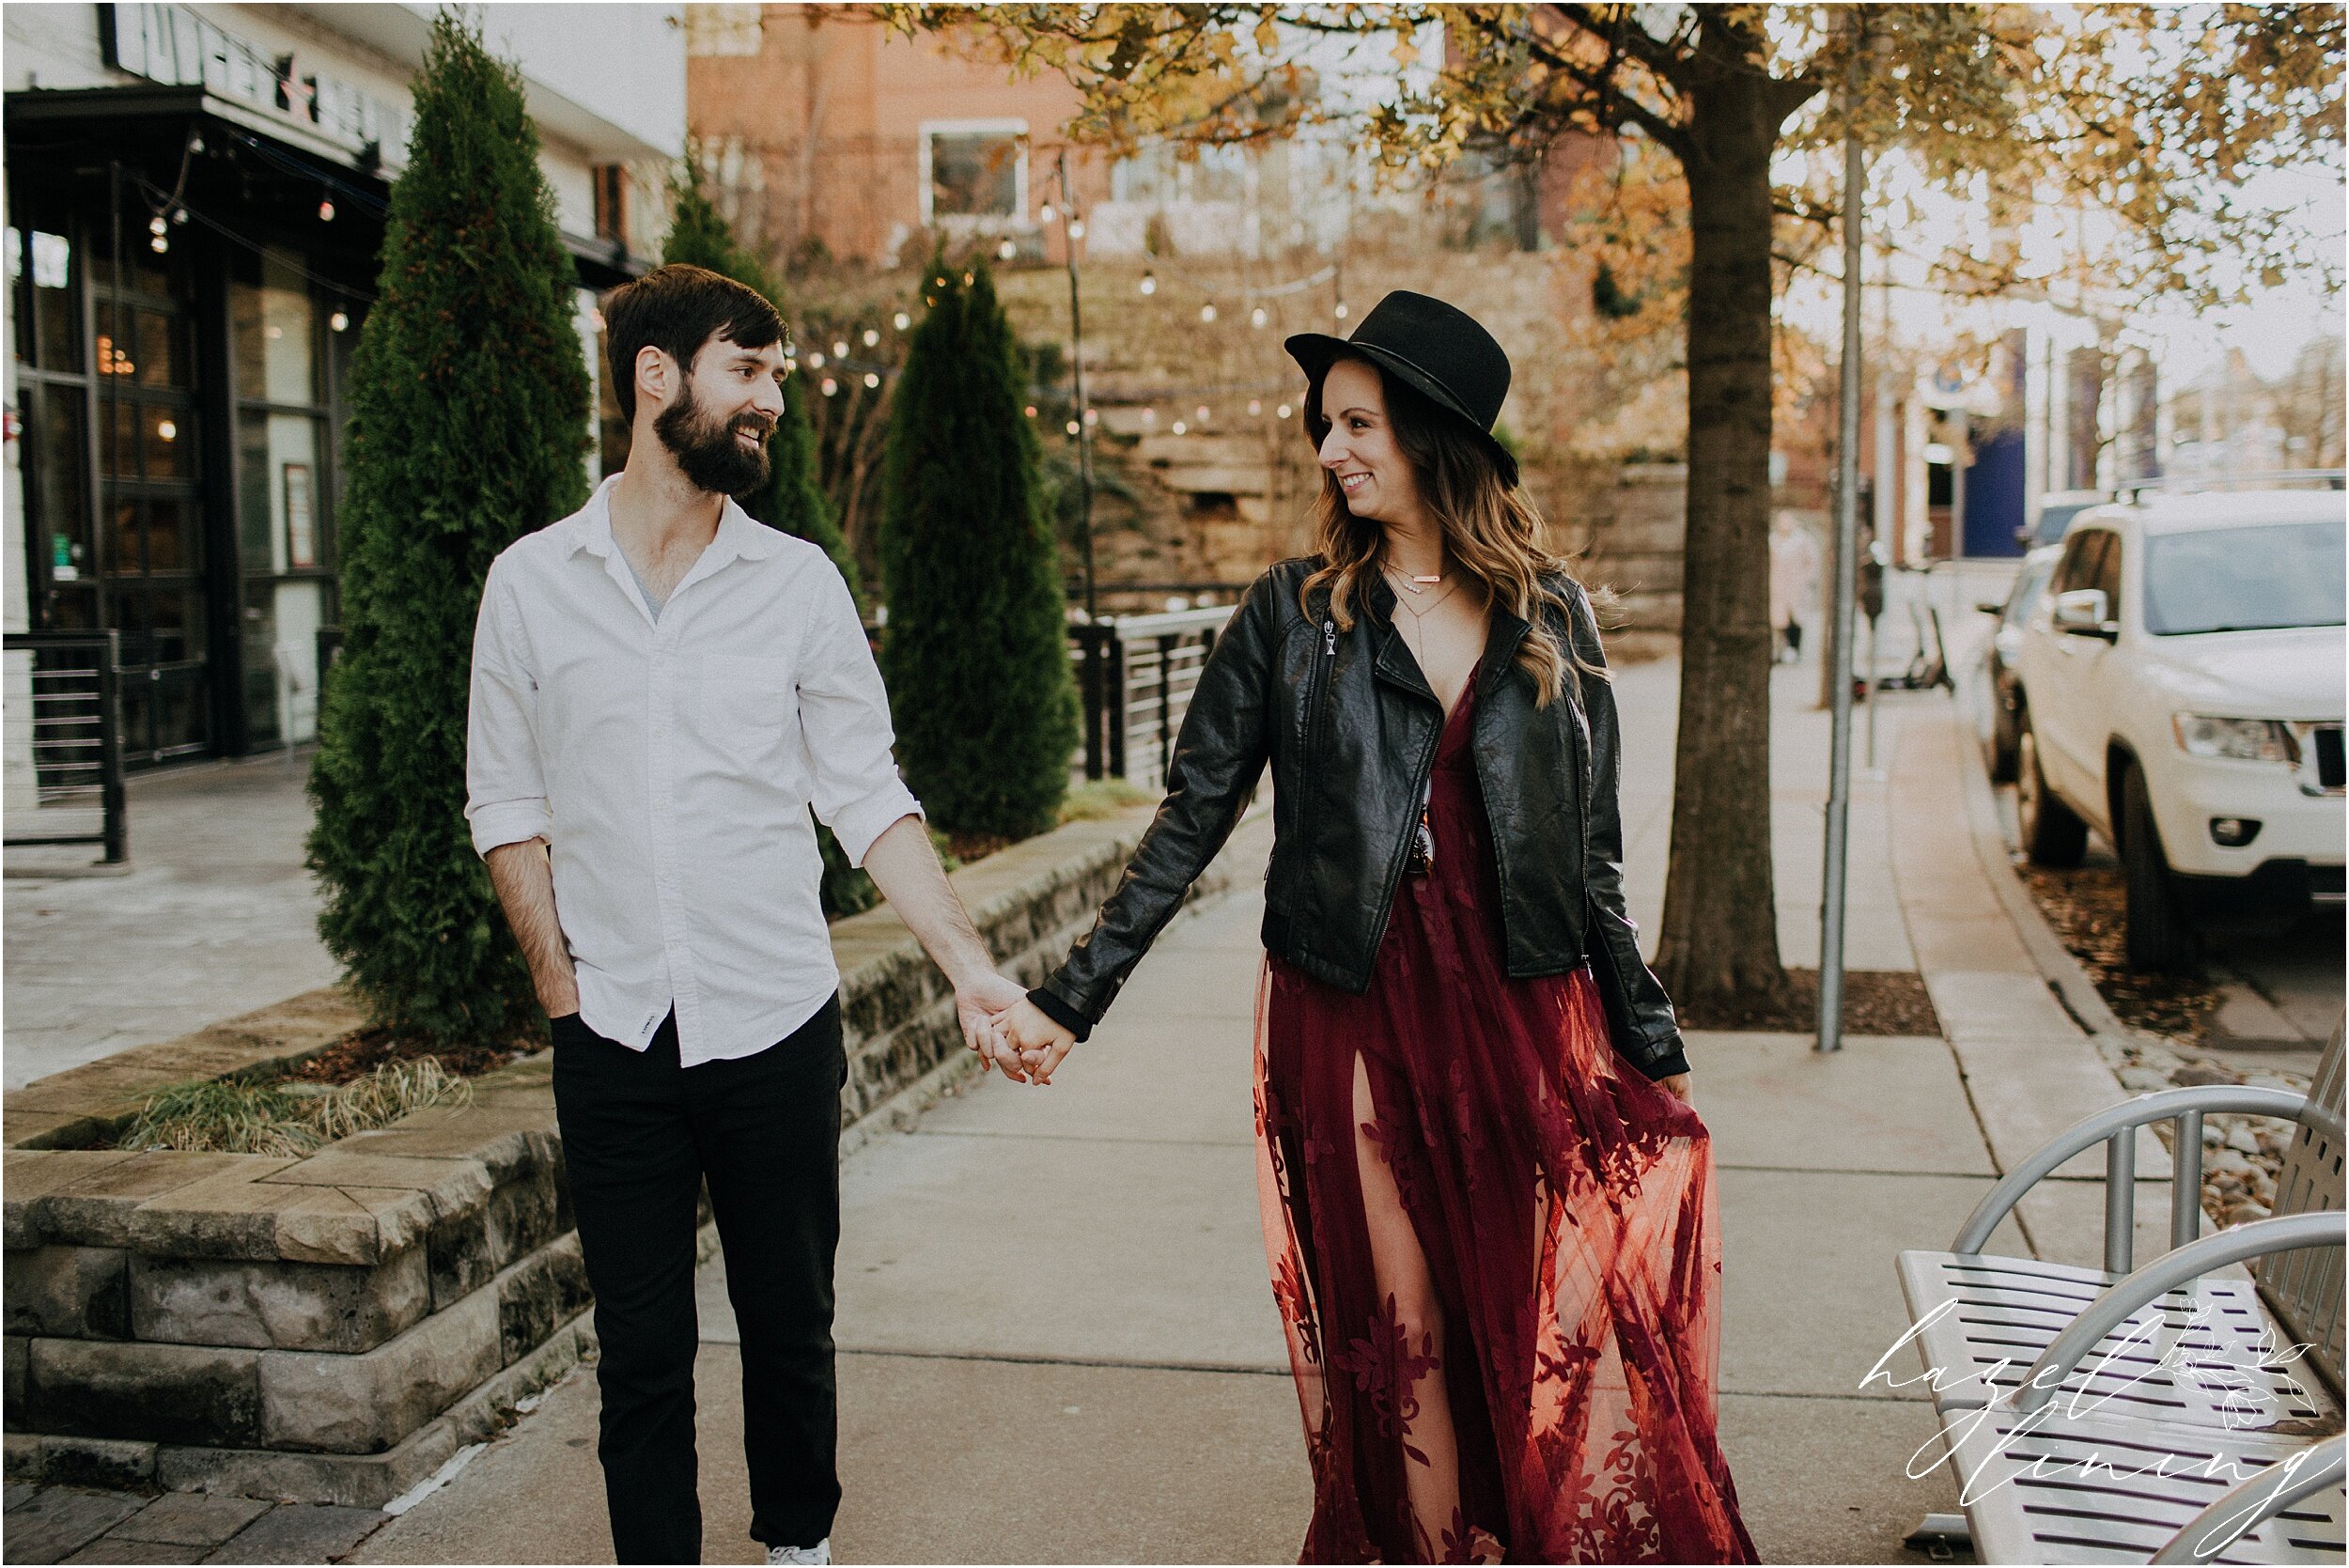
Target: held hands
<point>978,1002</point>
<point>1678,1086</point>
<point>1035,1041</point>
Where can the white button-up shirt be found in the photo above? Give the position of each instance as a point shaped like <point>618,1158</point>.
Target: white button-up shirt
<point>669,764</point>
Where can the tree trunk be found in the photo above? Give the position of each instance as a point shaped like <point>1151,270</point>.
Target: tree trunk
<point>1719,949</point>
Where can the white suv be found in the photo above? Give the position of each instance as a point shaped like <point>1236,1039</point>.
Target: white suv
<point>2182,693</point>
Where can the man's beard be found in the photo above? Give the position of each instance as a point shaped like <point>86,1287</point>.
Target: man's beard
<point>708,455</point>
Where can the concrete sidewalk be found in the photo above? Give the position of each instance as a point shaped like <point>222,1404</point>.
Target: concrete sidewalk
<point>1059,1343</point>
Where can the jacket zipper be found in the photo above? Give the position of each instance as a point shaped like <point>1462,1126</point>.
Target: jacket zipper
<point>1318,682</point>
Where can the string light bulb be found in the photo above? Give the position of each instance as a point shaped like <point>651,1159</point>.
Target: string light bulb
<point>1031,411</point>
<point>156,224</point>
<point>1149,284</point>
<point>831,388</point>
<point>901,320</point>
<point>326,209</point>
<point>1200,413</point>
<point>1072,426</point>
<point>1180,427</point>
<point>1257,317</point>
<point>1007,250</point>
<point>872,336</point>
<point>1282,411</point>
<point>1256,405</point>
<point>1047,212</point>
<point>1076,228</point>
<point>1206,312</point>
<point>871,380</point>
<point>840,348</point>
<point>1340,312</point>
<point>338,322</point>
<point>815,359</point>
<point>178,214</point>
<point>1150,417</point>
<point>158,244</point>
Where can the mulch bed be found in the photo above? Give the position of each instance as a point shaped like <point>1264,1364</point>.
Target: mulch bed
<point>2086,910</point>
<point>357,1054</point>
<point>1875,1001</point>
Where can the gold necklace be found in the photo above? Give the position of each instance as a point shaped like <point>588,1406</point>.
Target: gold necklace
<point>1417,615</point>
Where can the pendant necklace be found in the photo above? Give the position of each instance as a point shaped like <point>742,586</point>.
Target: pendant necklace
<point>1423,854</point>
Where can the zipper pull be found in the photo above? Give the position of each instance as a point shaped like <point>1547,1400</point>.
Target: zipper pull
<point>1329,637</point>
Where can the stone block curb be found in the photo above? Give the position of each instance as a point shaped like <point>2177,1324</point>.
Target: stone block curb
<point>336,1327</point>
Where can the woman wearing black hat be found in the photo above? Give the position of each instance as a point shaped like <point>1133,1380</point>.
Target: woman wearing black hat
<point>1488,1202</point>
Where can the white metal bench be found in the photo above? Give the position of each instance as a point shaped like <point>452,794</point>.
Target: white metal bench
<point>2036,1367</point>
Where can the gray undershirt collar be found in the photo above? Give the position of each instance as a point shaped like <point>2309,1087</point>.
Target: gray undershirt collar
<point>652,601</point>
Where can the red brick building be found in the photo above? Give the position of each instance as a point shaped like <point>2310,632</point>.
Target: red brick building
<point>823,127</point>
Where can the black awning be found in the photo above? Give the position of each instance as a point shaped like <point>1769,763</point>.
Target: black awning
<point>67,132</point>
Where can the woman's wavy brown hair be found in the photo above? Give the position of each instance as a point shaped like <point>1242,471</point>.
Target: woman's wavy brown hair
<point>1492,529</point>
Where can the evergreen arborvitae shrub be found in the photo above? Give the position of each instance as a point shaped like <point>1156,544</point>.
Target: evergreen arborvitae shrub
<point>975,649</point>
<point>792,498</point>
<point>469,424</point>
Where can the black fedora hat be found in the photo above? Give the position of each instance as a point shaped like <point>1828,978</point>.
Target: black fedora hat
<point>1438,350</point>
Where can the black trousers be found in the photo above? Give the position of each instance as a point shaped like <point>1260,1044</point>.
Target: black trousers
<point>639,1136</point>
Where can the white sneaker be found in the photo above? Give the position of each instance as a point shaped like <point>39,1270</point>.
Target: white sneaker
<point>820,1552</point>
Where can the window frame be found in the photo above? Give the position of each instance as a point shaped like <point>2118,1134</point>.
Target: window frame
<point>926,186</point>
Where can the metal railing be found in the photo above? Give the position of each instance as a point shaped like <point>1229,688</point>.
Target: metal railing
<point>1136,673</point>
<point>73,737</point>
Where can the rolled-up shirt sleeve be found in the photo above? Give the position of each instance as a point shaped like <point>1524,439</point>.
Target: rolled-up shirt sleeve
<point>844,723</point>
<point>506,788</point>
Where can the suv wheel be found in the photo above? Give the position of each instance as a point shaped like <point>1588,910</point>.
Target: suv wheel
<point>2158,938</point>
<point>2053,834</point>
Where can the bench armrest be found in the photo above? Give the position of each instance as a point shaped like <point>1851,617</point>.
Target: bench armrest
<point>2115,1128</point>
<point>2157,1278</point>
<point>2252,1503</point>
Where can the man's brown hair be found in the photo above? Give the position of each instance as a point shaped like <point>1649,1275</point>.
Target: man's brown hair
<point>677,309</point>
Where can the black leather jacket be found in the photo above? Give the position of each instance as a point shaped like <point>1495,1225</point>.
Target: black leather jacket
<point>1349,725</point>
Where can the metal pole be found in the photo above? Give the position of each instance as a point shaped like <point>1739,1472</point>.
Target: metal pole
<point>1077,364</point>
<point>1846,548</point>
<point>1959,456</point>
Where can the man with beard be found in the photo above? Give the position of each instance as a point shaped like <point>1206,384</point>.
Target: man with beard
<point>661,687</point>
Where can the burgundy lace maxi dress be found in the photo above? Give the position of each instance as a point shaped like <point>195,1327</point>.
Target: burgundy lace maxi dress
<point>1494,1243</point>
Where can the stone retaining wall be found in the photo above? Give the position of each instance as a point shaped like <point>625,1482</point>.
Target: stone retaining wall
<point>333,1329</point>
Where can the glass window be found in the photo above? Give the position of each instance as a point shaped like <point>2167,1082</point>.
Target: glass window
<point>278,511</point>
<point>178,624</point>
<point>60,489</point>
<point>168,438</point>
<point>163,357</point>
<point>117,432</point>
<point>145,273</point>
<point>281,659</point>
<point>271,330</point>
<point>975,174</point>
<point>183,714</point>
<point>51,334</point>
<point>2287,574</point>
<point>175,543</point>
<point>124,556</point>
<point>2108,575</point>
<point>2077,567</point>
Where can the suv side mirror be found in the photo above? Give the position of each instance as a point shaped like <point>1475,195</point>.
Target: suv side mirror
<point>2083,612</point>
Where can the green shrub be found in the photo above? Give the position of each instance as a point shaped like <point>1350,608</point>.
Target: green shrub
<point>469,424</point>
<point>975,649</point>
